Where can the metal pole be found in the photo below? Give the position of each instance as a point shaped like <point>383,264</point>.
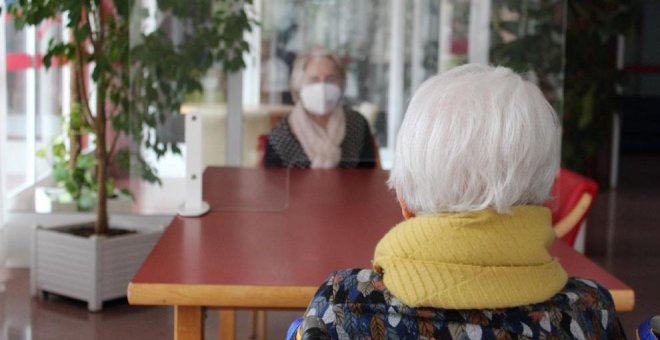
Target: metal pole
<point>252,71</point>
<point>417,45</point>
<point>395,90</point>
<point>193,205</point>
<point>444,36</point>
<point>616,119</point>
<point>31,106</point>
<point>3,122</point>
<point>479,31</point>
<point>234,118</point>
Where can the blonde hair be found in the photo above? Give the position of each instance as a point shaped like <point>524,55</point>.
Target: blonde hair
<point>303,60</point>
<point>476,137</point>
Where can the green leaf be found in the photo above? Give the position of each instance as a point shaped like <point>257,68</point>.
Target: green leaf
<point>127,192</point>
<point>86,161</point>
<point>60,173</point>
<point>86,201</point>
<point>110,186</point>
<point>59,149</point>
<point>42,153</point>
<point>71,187</point>
<point>587,112</point>
<point>122,159</point>
<point>175,149</point>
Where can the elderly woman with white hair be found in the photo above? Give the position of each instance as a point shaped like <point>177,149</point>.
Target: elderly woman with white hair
<point>320,132</point>
<point>475,159</point>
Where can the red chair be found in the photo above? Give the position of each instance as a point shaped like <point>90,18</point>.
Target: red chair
<point>573,197</point>
<point>374,144</point>
<point>261,148</point>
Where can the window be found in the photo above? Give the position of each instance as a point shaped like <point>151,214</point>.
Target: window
<point>36,98</point>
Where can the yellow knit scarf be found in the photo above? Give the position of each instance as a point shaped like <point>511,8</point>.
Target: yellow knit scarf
<point>471,260</point>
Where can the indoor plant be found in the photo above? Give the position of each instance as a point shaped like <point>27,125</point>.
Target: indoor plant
<point>73,172</point>
<point>592,79</point>
<point>139,79</point>
<point>582,64</point>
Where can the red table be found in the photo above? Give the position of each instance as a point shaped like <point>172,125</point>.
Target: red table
<point>274,235</point>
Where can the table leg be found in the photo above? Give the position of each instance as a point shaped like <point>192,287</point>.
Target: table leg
<point>188,323</point>
<point>258,325</point>
<point>261,325</point>
<point>227,324</point>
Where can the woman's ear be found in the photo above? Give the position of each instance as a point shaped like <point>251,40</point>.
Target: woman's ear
<point>405,211</point>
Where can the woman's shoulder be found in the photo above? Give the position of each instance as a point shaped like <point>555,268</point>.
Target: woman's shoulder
<point>579,294</point>
<point>282,124</point>
<point>353,301</point>
<point>283,148</point>
<point>357,130</point>
<point>281,131</point>
<point>354,118</point>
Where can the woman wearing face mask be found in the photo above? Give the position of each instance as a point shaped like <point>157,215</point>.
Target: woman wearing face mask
<point>320,132</point>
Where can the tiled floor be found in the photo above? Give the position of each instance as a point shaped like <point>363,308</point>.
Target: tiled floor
<point>623,236</point>
<point>55,318</point>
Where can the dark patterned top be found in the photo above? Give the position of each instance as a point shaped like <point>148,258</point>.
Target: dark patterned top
<point>354,304</point>
<point>357,149</point>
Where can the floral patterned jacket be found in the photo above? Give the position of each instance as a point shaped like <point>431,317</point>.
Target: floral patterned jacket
<point>354,304</point>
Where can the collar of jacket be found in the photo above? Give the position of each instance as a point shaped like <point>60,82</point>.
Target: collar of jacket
<point>471,260</point>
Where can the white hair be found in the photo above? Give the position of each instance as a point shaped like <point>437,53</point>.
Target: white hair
<point>301,62</point>
<point>476,137</point>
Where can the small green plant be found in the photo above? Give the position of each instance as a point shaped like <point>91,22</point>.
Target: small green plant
<point>75,175</point>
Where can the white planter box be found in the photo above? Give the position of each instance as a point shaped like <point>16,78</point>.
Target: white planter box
<point>47,200</point>
<point>92,269</point>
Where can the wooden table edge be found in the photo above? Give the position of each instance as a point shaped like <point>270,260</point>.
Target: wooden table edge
<point>624,299</point>
<point>222,296</point>
<point>266,297</point>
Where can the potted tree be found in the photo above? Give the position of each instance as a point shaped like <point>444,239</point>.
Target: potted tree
<point>139,79</point>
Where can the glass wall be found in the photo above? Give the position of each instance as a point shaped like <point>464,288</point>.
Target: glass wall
<point>20,100</point>
<point>388,47</point>
<point>52,93</point>
<point>35,101</point>
<point>386,60</point>
<point>200,85</point>
<point>528,36</point>
<point>355,30</point>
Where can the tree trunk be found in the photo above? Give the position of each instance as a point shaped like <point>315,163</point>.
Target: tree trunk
<point>101,160</point>
<point>75,145</point>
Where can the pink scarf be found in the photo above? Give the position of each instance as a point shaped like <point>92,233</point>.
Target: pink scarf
<point>321,145</point>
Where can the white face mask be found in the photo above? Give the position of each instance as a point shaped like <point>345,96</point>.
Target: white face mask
<point>320,98</point>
